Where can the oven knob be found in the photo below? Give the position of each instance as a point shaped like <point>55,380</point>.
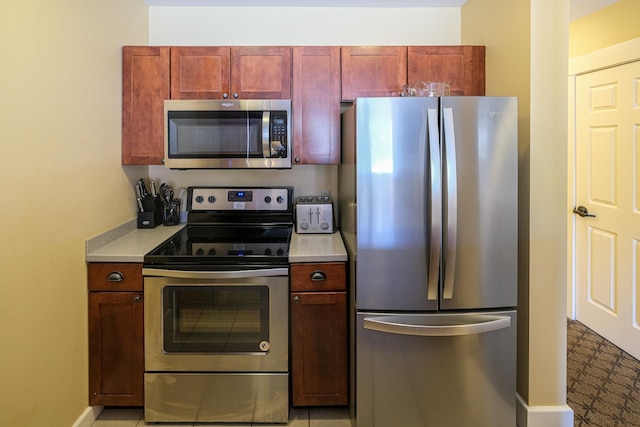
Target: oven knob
<point>212,199</point>
<point>200,251</point>
<point>199,199</point>
<point>267,199</point>
<point>280,252</point>
<point>280,199</point>
<point>212,251</point>
<point>268,251</point>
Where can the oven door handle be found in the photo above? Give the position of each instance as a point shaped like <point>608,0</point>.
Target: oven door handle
<point>220,274</point>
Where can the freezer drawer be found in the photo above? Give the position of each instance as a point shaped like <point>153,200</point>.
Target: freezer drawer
<point>440,370</point>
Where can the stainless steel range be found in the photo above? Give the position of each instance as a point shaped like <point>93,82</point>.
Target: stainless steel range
<point>216,310</point>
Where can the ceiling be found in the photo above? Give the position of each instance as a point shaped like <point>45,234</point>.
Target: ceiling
<point>578,8</point>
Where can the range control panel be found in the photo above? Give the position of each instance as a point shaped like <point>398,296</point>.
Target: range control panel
<point>238,199</point>
<point>314,214</point>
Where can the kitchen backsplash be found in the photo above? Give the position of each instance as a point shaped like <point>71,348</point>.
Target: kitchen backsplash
<point>306,179</point>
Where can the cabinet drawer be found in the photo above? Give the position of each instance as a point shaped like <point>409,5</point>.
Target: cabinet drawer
<point>326,276</point>
<point>115,277</point>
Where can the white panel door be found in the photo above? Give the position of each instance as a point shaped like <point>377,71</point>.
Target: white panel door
<point>607,178</point>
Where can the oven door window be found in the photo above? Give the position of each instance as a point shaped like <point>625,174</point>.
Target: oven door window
<point>216,319</point>
<point>215,134</point>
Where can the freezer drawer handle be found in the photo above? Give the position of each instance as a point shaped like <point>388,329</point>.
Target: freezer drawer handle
<point>478,325</point>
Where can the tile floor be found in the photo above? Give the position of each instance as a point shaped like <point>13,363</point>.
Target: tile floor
<point>298,417</point>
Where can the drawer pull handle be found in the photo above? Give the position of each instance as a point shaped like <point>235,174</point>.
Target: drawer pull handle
<point>318,276</point>
<point>115,276</point>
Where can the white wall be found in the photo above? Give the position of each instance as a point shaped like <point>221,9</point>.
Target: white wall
<point>317,26</point>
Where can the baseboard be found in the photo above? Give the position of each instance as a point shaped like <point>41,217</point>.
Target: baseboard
<point>88,416</point>
<point>543,416</point>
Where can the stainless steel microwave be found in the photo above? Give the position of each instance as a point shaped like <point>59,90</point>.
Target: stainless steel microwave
<point>227,134</point>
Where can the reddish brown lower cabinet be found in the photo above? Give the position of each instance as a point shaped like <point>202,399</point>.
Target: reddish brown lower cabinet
<point>319,335</point>
<point>116,335</point>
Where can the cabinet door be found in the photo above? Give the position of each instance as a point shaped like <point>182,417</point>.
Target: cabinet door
<point>145,86</point>
<point>319,349</point>
<point>116,349</point>
<point>373,71</point>
<point>316,105</point>
<point>462,66</point>
<point>200,72</point>
<point>261,72</point>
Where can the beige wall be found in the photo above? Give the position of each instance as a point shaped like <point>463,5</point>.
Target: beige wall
<point>612,25</point>
<point>60,97</point>
<point>527,56</point>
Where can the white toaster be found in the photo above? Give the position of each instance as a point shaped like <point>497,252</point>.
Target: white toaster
<point>314,214</point>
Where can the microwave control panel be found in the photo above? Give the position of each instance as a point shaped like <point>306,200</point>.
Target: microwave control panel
<point>278,134</point>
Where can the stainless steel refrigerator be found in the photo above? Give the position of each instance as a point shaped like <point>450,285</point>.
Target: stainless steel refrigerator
<point>428,208</point>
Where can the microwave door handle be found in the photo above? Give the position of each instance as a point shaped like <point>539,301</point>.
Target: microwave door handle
<point>266,146</point>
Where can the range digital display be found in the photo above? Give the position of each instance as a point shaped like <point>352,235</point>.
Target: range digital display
<point>240,196</point>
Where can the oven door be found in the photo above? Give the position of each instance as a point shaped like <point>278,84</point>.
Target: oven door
<point>216,321</point>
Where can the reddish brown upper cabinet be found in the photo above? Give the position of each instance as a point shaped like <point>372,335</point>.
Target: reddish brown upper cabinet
<point>373,71</point>
<point>116,335</point>
<point>200,72</point>
<point>204,72</point>
<point>261,72</point>
<point>145,86</point>
<point>319,335</point>
<point>316,105</point>
<point>462,66</point>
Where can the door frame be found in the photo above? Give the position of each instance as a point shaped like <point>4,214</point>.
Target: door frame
<point>611,56</point>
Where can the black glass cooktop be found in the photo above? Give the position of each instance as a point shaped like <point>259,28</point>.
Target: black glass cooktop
<point>199,246</point>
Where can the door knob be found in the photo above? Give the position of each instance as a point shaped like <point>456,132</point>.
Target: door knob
<point>583,212</point>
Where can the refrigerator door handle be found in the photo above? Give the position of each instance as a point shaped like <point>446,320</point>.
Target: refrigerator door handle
<point>472,325</point>
<point>452,203</point>
<point>436,204</point>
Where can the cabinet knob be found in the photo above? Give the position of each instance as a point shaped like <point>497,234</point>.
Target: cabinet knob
<point>296,299</point>
<point>235,95</point>
<point>225,95</point>
<point>115,276</point>
<point>138,298</point>
<point>318,276</point>
<point>297,159</point>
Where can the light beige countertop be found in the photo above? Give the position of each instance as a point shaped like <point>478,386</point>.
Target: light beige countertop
<point>317,248</point>
<point>127,243</point>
